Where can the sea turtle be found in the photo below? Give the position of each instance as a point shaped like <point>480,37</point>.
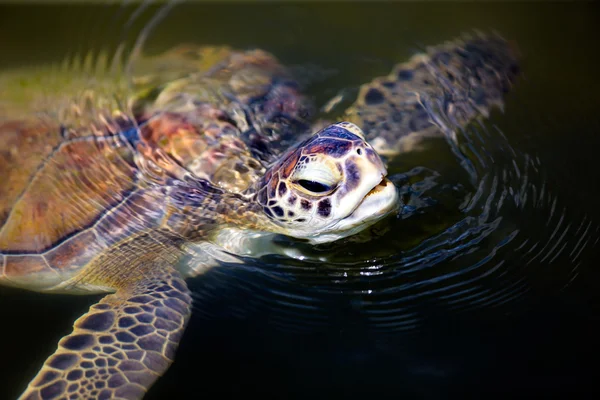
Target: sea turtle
<point>130,196</point>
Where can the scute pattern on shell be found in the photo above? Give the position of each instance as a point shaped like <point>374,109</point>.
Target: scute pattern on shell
<point>64,190</point>
<point>90,177</point>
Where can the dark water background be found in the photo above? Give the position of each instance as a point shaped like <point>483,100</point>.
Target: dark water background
<point>485,285</point>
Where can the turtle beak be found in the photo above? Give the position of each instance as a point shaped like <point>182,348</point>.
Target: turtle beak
<point>370,175</point>
<point>380,186</point>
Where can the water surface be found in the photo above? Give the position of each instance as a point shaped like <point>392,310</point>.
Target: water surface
<point>487,281</point>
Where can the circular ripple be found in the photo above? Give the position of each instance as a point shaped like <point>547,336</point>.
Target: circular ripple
<point>467,239</point>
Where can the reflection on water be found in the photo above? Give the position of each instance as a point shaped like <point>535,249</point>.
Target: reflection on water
<point>483,283</point>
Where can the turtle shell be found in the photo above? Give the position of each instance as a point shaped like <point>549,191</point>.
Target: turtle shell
<point>251,90</point>
<point>71,195</point>
<point>80,176</point>
<point>57,191</point>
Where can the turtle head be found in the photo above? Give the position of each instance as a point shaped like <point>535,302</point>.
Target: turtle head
<point>328,187</point>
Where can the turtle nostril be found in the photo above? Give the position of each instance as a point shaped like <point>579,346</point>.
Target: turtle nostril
<point>359,152</point>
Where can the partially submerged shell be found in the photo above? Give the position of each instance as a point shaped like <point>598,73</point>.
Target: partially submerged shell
<point>54,190</point>
<point>206,144</point>
<point>87,169</point>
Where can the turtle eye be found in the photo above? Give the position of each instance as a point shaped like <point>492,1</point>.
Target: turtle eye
<point>317,178</point>
<point>314,186</point>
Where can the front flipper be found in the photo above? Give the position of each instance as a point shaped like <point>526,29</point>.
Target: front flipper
<point>121,346</point>
<point>435,93</point>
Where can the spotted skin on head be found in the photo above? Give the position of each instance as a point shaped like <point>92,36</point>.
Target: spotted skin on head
<point>435,93</point>
<point>335,142</point>
<point>322,181</point>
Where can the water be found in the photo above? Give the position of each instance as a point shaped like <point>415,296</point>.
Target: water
<point>485,284</point>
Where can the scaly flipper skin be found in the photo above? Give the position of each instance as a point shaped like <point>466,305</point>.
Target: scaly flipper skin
<point>435,93</point>
<point>122,345</point>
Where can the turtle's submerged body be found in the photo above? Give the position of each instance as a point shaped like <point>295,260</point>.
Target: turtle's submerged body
<point>215,156</point>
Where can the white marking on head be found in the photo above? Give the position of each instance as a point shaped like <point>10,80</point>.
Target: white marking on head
<point>331,186</point>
